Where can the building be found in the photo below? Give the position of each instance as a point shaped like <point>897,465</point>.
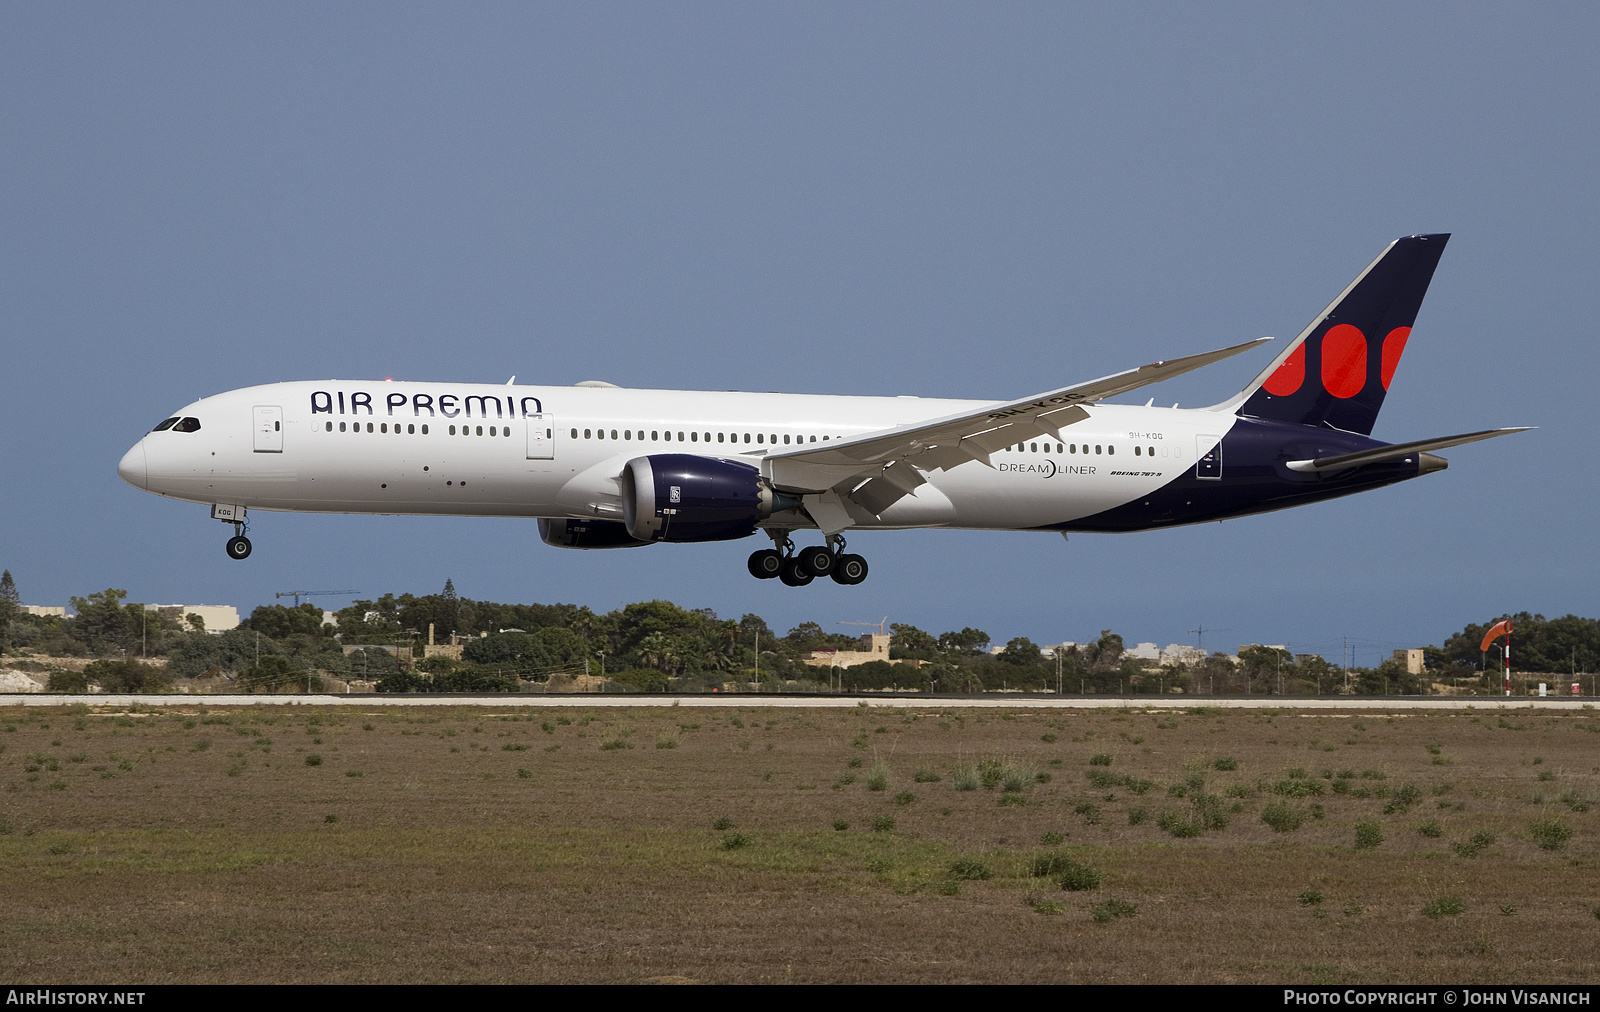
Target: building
<point>874,647</point>
<point>451,650</point>
<point>217,617</point>
<point>1181,653</point>
<point>43,610</point>
<point>1412,659</point>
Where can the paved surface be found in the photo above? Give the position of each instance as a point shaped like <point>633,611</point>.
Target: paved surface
<point>905,701</point>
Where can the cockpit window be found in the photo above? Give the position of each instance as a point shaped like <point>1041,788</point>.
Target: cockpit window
<point>187,425</point>
<point>169,423</point>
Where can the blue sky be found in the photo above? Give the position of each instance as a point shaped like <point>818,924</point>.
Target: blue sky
<point>944,200</point>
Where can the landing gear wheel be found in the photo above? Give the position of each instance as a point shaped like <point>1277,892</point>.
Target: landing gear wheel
<point>765,564</point>
<point>849,570</point>
<point>239,547</point>
<point>794,574</point>
<point>816,560</point>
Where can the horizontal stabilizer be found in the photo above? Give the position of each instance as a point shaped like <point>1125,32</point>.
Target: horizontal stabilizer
<point>1384,454</point>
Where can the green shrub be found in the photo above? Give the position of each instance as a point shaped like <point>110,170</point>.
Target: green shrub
<point>1431,829</point>
<point>666,743</point>
<point>1048,739</point>
<point>1226,763</point>
<point>1138,816</point>
<point>1368,835</point>
<point>1402,800</point>
<point>1015,778</point>
<point>1051,839</point>
<point>1121,908</point>
<point>1282,817</point>
<point>1177,825</point>
<point>722,823</point>
<point>313,760</point>
<point>1042,778</point>
<point>840,825</point>
<point>1089,811</point>
<point>1310,898</point>
<point>733,841</point>
<point>1443,906</point>
<point>1101,780</point>
<point>1297,787</point>
<point>1075,877</point>
<point>883,824</point>
<point>926,777</point>
<point>522,774</point>
<point>1013,801</point>
<point>614,745</point>
<point>1100,760</point>
<point>1473,846</point>
<point>1550,834</point>
<point>1048,907</point>
<point>969,869</point>
<point>878,779</point>
<point>1050,864</point>
<point>965,778</point>
<point>904,798</point>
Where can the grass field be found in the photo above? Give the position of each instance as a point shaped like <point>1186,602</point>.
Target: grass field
<point>361,844</point>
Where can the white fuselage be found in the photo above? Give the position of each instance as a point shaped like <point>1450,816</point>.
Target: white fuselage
<point>526,451</point>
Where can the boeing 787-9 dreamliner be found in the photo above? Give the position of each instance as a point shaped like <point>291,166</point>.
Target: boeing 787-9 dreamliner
<point>599,466</point>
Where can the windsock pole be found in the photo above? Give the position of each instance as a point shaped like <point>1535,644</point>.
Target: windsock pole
<point>1508,658</point>
<point>1494,633</point>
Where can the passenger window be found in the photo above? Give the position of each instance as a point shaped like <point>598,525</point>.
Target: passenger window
<point>1097,448</point>
<point>613,433</point>
<point>329,426</point>
<point>1111,451</point>
<point>1034,447</point>
<point>761,437</point>
<point>587,434</point>
<point>491,430</point>
<point>411,430</point>
<point>785,439</point>
<point>1149,451</point>
<point>369,426</point>
<point>424,429</point>
<point>574,433</point>
<point>1136,451</point>
<point>719,437</point>
<point>341,426</point>
<point>1072,447</point>
<point>680,437</point>
<point>694,437</point>
<point>654,434</point>
<point>452,430</point>
<point>386,428</point>
<point>480,430</point>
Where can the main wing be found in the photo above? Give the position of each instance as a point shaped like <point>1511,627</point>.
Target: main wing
<point>875,470</point>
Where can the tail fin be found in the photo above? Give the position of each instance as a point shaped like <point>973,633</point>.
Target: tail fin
<point>1336,372</point>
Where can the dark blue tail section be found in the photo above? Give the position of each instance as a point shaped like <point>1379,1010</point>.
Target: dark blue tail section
<point>1336,373</point>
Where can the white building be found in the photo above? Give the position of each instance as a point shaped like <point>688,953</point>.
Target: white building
<point>1181,653</point>
<point>44,610</point>
<point>217,617</point>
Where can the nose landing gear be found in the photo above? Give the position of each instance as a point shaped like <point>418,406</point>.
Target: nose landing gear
<point>796,569</point>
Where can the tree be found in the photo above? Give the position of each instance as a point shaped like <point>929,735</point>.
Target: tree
<point>967,641</point>
<point>8,589</point>
<point>1022,650</point>
<point>128,675</point>
<point>9,605</point>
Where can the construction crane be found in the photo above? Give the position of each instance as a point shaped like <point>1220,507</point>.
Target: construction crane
<point>878,625</point>
<point>298,594</point>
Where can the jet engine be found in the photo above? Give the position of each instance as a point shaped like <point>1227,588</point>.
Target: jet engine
<point>683,497</point>
<point>587,534</point>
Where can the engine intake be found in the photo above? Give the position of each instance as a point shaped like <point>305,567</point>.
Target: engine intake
<point>587,534</point>
<point>683,497</point>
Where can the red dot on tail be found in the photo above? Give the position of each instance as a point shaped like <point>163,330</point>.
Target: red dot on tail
<point>1344,361</point>
<point>1394,345</point>
<point>1286,379</point>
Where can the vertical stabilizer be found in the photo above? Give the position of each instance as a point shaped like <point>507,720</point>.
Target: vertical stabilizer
<point>1335,374</point>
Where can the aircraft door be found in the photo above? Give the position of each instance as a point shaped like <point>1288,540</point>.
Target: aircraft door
<point>541,436</point>
<point>268,428</point>
<point>1209,450</point>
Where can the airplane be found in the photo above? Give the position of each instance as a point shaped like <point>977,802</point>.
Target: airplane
<point>599,466</point>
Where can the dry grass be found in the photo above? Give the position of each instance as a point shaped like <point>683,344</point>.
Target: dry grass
<point>199,847</point>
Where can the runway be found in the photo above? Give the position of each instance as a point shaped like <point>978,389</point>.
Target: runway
<point>755,699</point>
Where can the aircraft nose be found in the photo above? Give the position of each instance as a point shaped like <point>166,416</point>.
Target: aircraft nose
<point>132,469</point>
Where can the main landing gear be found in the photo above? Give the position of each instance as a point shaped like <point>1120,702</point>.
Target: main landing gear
<point>796,569</point>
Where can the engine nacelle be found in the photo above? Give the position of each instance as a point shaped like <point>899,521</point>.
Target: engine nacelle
<point>683,497</point>
<point>587,534</point>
